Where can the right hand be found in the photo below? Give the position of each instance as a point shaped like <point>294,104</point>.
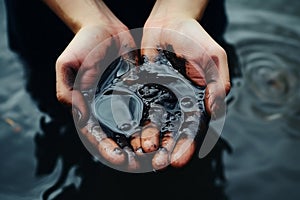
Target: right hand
<point>77,63</point>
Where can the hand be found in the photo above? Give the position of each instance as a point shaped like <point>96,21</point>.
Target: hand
<point>78,70</point>
<point>206,65</point>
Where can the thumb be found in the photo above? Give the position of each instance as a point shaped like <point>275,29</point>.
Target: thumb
<point>67,95</point>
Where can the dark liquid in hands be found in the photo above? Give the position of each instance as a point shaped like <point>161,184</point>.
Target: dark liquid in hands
<point>129,96</point>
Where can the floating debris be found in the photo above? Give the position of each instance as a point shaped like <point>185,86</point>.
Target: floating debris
<point>14,125</point>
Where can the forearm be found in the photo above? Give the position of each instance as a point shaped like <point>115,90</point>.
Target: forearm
<point>178,8</point>
<point>79,13</point>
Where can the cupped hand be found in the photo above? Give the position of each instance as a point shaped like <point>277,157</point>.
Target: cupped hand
<point>205,64</point>
<point>78,70</point>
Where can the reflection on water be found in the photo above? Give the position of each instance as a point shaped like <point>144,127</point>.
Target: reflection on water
<point>263,122</point>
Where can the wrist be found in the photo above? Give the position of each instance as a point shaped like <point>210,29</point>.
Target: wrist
<point>174,9</point>
<point>77,14</point>
<point>98,14</point>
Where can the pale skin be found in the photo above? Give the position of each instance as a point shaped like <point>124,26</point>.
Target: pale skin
<point>92,23</point>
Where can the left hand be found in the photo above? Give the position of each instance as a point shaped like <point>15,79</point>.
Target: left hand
<point>206,65</point>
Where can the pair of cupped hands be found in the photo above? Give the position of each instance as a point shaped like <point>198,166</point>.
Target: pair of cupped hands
<point>85,58</point>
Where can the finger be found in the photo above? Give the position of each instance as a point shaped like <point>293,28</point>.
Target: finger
<point>132,160</point>
<point>106,147</point>
<point>65,76</point>
<point>135,142</point>
<point>90,134</point>
<point>128,49</point>
<point>111,152</point>
<point>161,158</point>
<point>150,138</point>
<point>183,151</point>
<point>150,44</point>
<point>185,143</point>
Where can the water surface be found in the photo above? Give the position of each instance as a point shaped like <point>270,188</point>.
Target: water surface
<point>262,124</point>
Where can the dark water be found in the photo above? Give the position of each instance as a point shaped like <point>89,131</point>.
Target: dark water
<point>162,93</point>
<point>130,97</point>
<point>262,124</point>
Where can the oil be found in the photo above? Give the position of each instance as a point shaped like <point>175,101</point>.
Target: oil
<point>129,96</point>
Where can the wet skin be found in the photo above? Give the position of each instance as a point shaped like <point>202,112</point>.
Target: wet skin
<point>149,115</point>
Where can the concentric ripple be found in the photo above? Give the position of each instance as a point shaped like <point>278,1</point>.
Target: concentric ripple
<point>270,62</point>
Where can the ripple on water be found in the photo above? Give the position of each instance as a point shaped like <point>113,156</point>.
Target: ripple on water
<point>269,51</point>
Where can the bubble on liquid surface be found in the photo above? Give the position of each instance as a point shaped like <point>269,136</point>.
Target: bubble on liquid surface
<point>158,93</point>
<point>119,110</point>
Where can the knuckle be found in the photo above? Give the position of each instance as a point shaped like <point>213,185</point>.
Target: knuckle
<point>60,62</point>
<point>221,52</point>
<point>218,51</point>
<point>63,62</point>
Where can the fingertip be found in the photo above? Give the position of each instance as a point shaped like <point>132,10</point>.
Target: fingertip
<point>161,159</point>
<point>133,164</point>
<point>183,152</point>
<point>150,138</point>
<point>149,145</point>
<point>111,152</point>
<point>135,142</point>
